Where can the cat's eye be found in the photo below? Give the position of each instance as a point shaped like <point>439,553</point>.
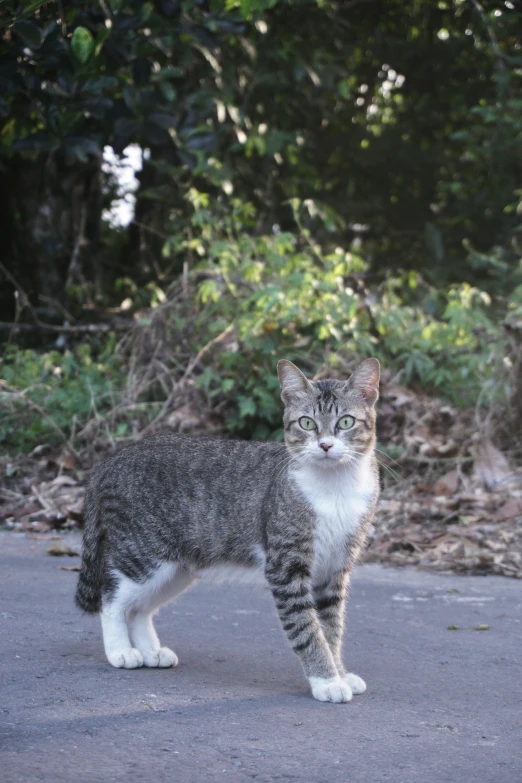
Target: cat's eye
<point>346,422</point>
<point>306,423</point>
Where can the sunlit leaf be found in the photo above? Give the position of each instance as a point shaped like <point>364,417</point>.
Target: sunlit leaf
<point>82,44</point>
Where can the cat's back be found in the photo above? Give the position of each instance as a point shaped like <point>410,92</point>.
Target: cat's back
<point>186,494</point>
<point>169,458</point>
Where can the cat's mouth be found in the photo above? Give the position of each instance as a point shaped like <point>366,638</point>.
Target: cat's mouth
<point>327,456</point>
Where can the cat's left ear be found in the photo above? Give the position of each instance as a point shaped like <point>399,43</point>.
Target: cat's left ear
<point>365,380</point>
<point>292,380</point>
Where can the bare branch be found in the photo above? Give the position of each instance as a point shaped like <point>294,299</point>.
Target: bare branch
<point>492,37</point>
<point>39,327</point>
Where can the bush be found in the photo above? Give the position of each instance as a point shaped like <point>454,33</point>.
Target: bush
<point>246,301</point>
<point>49,397</point>
<point>284,296</point>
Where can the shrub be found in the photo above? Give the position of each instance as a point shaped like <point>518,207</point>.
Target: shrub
<point>247,299</point>
<point>48,397</point>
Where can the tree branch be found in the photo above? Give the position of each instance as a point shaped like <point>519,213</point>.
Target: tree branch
<point>492,37</point>
<point>116,326</point>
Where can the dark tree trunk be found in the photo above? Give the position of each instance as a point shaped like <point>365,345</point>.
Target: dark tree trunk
<point>50,217</point>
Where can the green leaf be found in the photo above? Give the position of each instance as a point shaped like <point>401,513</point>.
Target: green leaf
<point>247,407</point>
<point>82,44</point>
<point>227,384</point>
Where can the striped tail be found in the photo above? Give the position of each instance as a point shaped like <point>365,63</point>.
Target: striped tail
<point>89,589</point>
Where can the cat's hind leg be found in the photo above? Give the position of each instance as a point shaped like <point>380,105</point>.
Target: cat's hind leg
<point>116,640</point>
<point>168,581</point>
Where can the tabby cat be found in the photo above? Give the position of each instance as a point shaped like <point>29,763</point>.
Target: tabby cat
<point>172,508</point>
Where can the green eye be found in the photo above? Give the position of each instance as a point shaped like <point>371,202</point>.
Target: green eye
<point>346,422</point>
<point>306,423</point>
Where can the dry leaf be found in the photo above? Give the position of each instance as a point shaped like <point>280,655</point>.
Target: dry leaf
<point>491,466</point>
<point>399,394</point>
<point>43,536</point>
<point>26,510</point>
<point>71,568</point>
<point>448,484</point>
<point>60,548</point>
<point>60,481</point>
<point>68,461</point>
<point>512,508</point>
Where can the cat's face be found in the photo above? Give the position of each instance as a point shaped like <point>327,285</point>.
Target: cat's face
<point>329,422</point>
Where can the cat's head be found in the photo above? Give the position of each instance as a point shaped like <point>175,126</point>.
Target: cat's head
<point>329,422</point>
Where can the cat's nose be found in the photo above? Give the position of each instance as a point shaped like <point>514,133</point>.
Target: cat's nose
<point>325,446</point>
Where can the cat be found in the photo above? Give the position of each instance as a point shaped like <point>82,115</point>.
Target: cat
<point>163,512</point>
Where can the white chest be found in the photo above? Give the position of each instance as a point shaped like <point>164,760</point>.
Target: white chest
<point>339,499</point>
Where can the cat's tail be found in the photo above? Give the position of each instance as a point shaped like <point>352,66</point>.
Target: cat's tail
<point>89,589</point>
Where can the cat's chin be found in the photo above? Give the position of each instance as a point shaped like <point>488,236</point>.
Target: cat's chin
<point>332,462</point>
<point>327,460</point>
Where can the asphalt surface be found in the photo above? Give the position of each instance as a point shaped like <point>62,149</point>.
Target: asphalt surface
<point>441,706</point>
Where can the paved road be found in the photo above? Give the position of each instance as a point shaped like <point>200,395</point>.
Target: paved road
<point>442,706</point>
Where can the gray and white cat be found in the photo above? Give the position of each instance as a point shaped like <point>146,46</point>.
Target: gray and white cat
<point>161,513</point>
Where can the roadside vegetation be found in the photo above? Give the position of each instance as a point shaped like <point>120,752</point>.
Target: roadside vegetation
<point>320,181</point>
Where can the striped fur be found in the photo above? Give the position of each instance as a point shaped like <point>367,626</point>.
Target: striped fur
<point>171,509</point>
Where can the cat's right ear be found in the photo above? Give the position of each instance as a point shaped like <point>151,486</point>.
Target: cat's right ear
<point>292,380</point>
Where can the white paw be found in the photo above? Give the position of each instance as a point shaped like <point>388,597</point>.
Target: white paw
<point>335,690</point>
<point>356,683</point>
<point>129,658</point>
<point>161,658</point>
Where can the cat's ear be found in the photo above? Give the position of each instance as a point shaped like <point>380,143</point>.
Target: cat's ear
<point>292,380</point>
<point>365,380</point>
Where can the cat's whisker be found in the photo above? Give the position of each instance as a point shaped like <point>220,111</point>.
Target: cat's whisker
<point>393,473</point>
<point>387,456</point>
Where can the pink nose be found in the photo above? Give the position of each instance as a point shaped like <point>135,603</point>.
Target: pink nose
<point>325,446</point>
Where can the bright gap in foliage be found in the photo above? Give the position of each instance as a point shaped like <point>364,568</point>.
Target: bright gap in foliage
<point>122,171</point>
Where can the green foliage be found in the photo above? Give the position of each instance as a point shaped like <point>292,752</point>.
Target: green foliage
<point>331,179</point>
<point>82,44</point>
<point>49,397</point>
<point>259,298</point>
<point>449,355</point>
<point>286,298</point>
<point>403,118</point>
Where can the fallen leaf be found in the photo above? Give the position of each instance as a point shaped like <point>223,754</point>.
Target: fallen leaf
<point>60,548</point>
<point>43,537</point>
<point>399,394</point>
<point>71,568</point>
<point>68,461</point>
<point>511,508</point>
<point>490,467</point>
<point>469,519</point>
<point>448,484</point>
<point>24,511</point>
<point>62,481</point>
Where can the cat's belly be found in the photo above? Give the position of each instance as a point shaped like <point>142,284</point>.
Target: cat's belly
<point>230,572</point>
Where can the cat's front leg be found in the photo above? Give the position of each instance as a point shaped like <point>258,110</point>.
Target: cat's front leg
<point>288,575</point>
<point>330,603</point>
